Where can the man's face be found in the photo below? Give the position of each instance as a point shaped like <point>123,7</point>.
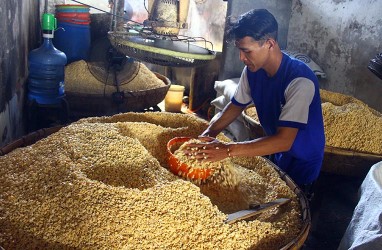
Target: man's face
<point>253,53</point>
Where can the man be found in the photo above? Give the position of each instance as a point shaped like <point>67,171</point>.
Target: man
<point>286,95</point>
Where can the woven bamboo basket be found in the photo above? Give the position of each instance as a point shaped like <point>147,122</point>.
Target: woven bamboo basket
<point>336,160</point>
<point>28,139</point>
<point>99,104</point>
<point>295,244</point>
<point>253,126</point>
<point>348,162</point>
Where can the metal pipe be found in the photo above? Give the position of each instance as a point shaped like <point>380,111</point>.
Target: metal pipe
<point>46,6</point>
<point>114,20</point>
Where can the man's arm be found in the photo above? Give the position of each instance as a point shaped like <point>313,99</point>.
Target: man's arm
<point>215,151</point>
<point>227,116</point>
<point>282,141</point>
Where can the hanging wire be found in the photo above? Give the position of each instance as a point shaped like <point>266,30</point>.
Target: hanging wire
<point>144,4</point>
<point>106,12</point>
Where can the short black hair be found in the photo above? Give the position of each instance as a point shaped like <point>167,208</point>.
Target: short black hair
<point>259,24</point>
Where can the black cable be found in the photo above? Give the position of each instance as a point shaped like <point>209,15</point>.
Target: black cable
<point>144,4</point>
<point>107,12</point>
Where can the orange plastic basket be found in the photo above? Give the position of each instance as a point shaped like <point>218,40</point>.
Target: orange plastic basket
<point>183,169</point>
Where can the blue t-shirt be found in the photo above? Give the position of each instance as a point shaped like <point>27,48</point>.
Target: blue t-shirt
<point>290,98</point>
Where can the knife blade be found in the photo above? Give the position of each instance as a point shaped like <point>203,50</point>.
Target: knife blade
<point>244,214</point>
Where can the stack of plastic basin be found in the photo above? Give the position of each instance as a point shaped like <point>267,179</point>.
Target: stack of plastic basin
<point>73,33</point>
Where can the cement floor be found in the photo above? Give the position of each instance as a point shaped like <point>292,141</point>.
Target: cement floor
<point>332,208</point>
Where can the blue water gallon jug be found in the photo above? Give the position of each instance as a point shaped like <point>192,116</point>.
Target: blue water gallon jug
<point>46,66</point>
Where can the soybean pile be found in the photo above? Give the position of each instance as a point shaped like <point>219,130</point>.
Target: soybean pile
<point>79,79</point>
<point>104,183</point>
<point>351,124</point>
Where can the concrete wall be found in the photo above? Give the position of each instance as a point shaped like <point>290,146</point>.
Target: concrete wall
<point>341,36</point>
<point>232,66</point>
<point>19,29</point>
<point>206,23</point>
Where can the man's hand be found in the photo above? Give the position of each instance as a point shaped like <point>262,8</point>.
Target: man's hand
<point>209,150</point>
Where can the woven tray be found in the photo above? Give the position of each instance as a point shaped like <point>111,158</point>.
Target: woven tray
<point>99,105</point>
<point>295,244</point>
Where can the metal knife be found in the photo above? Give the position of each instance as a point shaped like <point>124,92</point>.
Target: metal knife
<point>255,209</point>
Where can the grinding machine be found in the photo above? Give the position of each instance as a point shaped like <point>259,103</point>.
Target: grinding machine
<point>157,41</point>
